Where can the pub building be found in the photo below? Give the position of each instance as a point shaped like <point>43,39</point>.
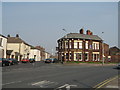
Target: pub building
<point>80,47</point>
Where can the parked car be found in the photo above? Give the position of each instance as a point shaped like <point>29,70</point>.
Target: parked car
<point>118,66</point>
<point>51,60</point>
<point>0,62</point>
<point>3,62</point>
<point>25,60</point>
<point>48,60</point>
<point>10,61</point>
<point>14,61</point>
<point>55,60</point>
<point>31,60</point>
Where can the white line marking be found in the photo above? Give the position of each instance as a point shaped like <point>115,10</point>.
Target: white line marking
<point>43,83</point>
<point>112,87</point>
<point>67,86</point>
<point>11,82</point>
<point>63,86</point>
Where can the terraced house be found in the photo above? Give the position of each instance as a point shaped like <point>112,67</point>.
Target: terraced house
<point>80,47</point>
<point>17,48</point>
<point>3,46</point>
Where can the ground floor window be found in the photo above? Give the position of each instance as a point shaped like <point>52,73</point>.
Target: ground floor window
<point>70,56</point>
<point>67,56</point>
<point>78,56</point>
<point>96,57</point>
<point>86,56</point>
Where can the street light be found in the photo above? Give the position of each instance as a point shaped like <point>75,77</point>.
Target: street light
<point>66,32</point>
<point>103,50</point>
<point>65,46</point>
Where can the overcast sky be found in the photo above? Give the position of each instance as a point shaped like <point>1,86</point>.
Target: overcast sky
<point>41,23</point>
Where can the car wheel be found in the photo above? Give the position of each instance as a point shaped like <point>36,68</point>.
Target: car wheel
<point>3,65</point>
<point>9,64</point>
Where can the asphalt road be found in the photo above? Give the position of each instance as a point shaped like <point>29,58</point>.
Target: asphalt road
<point>41,75</point>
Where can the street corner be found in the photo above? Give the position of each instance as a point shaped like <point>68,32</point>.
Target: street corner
<point>111,83</point>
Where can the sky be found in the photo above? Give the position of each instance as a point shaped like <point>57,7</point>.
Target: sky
<point>41,23</point>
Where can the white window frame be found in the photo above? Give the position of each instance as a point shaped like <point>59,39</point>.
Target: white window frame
<point>87,56</point>
<point>86,45</point>
<point>75,45</point>
<point>80,45</point>
<point>97,57</point>
<point>70,44</point>
<point>95,45</point>
<point>66,44</point>
<point>75,56</point>
<point>81,57</point>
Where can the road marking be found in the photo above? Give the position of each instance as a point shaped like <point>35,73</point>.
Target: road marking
<point>11,82</point>
<point>43,83</point>
<point>100,83</point>
<point>63,86</point>
<point>67,86</point>
<point>112,87</point>
<point>104,82</point>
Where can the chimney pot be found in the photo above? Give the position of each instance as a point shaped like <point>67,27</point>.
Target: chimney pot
<point>81,31</point>
<point>17,35</point>
<point>88,32</point>
<point>91,33</point>
<point>8,35</point>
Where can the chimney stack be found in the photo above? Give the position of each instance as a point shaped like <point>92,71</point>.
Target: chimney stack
<point>8,35</point>
<point>81,31</point>
<point>88,32</point>
<point>17,35</point>
<point>91,33</point>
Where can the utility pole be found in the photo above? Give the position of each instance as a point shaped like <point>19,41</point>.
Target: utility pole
<point>103,50</point>
<point>64,47</point>
<point>66,32</point>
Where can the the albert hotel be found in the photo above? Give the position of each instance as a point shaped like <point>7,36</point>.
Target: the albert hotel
<point>80,47</point>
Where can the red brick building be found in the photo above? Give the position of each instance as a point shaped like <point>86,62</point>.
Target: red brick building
<point>80,47</point>
<point>115,54</point>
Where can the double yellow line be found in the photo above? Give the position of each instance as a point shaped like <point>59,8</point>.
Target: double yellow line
<point>105,82</point>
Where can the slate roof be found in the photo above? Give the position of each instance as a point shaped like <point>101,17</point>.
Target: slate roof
<point>16,40</point>
<point>82,36</point>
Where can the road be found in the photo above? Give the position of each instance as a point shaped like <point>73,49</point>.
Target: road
<point>41,75</point>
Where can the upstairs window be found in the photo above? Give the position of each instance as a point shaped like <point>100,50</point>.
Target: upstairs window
<point>70,44</point>
<point>86,44</point>
<point>75,45</point>
<point>95,45</point>
<point>66,44</point>
<point>80,45</point>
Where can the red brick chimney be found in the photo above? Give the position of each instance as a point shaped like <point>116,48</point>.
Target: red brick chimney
<point>91,33</point>
<point>81,31</point>
<point>88,32</point>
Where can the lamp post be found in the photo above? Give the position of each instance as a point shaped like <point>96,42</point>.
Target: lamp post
<point>65,46</point>
<point>103,51</point>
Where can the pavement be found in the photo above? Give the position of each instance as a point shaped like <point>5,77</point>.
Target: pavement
<point>111,83</point>
<point>90,64</point>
